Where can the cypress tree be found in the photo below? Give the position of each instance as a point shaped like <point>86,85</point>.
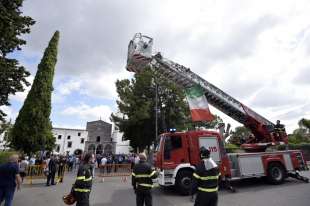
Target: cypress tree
<point>32,131</point>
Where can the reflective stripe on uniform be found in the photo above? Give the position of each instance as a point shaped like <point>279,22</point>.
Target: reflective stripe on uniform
<point>84,178</point>
<point>207,177</point>
<point>207,189</point>
<point>143,175</point>
<point>146,185</point>
<point>81,190</point>
<point>153,173</point>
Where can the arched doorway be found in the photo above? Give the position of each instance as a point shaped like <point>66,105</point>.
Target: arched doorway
<point>99,149</point>
<point>92,148</point>
<point>78,152</point>
<point>108,149</point>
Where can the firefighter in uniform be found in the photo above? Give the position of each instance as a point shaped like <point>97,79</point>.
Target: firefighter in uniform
<point>205,180</point>
<point>83,183</point>
<point>142,183</point>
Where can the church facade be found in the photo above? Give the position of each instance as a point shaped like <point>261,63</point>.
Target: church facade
<point>100,139</point>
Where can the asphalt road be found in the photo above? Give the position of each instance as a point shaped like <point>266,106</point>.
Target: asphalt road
<point>115,192</point>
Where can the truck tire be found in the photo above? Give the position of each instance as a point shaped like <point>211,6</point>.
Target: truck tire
<point>276,173</point>
<point>184,182</point>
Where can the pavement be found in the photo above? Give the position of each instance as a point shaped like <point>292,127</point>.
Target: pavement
<point>115,192</point>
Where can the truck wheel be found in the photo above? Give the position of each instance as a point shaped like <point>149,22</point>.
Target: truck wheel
<point>276,173</point>
<point>184,182</point>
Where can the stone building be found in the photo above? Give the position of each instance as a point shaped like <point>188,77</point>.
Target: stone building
<point>99,138</point>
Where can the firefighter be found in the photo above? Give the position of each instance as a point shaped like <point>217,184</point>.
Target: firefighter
<point>205,180</point>
<point>279,130</point>
<point>82,186</point>
<point>279,127</point>
<point>142,183</point>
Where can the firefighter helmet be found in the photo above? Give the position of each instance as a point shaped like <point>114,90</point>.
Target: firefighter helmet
<point>204,153</point>
<point>69,199</point>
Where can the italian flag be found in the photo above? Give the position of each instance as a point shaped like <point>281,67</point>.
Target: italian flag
<point>198,104</point>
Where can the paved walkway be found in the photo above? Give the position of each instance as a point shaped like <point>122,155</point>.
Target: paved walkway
<point>114,192</point>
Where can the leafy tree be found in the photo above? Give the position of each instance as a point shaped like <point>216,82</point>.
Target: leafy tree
<point>208,124</point>
<point>240,134</point>
<point>302,134</point>
<point>33,130</point>
<point>12,26</point>
<point>136,104</point>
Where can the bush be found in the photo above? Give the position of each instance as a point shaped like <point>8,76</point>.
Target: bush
<point>4,156</point>
<point>304,147</point>
<point>231,148</point>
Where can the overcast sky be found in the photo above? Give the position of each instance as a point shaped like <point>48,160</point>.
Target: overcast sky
<point>256,51</point>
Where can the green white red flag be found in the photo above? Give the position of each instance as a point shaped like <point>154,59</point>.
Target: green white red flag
<point>198,104</point>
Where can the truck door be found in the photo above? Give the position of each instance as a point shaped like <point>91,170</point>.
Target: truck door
<point>210,143</point>
<point>174,154</point>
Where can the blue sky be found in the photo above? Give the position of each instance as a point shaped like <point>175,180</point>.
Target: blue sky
<point>256,51</point>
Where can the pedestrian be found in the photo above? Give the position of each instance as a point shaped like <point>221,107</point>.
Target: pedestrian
<point>82,186</point>
<point>52,167</point>
<point>103,164</point>
<point>205,180</point>
<point>61,168</point>
<point>23,168</point>
<point>142,183</point>
<point>9,180</point>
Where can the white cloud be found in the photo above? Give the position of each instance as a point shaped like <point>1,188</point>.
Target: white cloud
<point>21,96</point>
<point>257,51</point>
<point>68,87</point>
<point>89,113</point>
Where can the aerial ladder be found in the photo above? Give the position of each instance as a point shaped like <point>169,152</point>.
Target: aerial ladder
<point>140,56</point>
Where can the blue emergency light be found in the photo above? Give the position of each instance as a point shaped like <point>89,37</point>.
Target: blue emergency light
<point>172,130</point>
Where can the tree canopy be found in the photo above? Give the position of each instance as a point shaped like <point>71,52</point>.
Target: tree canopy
<point>12,25</point>
<point>136,105</point>
<point>239,134</point>
<point>33,129</point>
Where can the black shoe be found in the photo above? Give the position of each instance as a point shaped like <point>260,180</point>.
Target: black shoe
<point>47,185</point>
<point>53,184</point>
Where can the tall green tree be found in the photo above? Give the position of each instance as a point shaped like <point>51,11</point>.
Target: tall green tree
<point>136,105</point>
<point>33,129</point>
<point>12,25</point>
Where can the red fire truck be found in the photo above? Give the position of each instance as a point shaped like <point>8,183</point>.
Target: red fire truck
<point>178,152</point>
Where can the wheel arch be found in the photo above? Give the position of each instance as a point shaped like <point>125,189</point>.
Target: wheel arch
<point>182,167</point>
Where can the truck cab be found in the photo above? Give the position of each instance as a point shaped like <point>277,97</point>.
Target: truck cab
<point>177,154</point>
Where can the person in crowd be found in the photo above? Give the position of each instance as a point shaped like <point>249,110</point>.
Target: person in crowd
<point>137,159</point>
<point>205,180</point>
<point>61,168</point>
<point>23,165</point>
<point>52,167</point>
<point>103,164</point>
<point>109,164</point>
<point>83,183</point>
<point>142,183</point>
<point>9,180</point>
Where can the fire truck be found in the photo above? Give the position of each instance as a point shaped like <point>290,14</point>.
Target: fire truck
<point>178,152</point>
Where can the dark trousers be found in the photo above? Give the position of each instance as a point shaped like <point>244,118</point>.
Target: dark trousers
<point>144,198</point>
<point>50,178</point>
<point>6,194</point>
<point>206,199</point>
<point>82,198</point>
<point>61,171</point>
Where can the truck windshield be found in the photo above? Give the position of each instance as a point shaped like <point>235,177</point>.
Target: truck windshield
<point>158,143</point>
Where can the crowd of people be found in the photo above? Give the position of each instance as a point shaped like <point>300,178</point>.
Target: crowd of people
<point>205,178</point>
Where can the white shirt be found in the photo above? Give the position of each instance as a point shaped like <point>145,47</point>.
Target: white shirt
<point>103,161</point>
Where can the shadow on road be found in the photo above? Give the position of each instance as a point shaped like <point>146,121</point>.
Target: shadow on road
<point>249,185</point>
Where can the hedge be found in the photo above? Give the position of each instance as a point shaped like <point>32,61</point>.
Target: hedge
<point>4,156</point>
<point>231,148</point>
<point>304,147</point>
